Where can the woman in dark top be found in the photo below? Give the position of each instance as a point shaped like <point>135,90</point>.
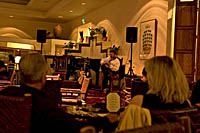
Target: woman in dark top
<point>154,102</point>
<point>3,71</point>
<point>168,87</point>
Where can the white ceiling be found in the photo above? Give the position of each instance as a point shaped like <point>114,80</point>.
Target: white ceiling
<point>48,10</point>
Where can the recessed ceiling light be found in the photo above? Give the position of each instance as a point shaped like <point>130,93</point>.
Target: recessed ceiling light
<point>83,3</point>
<point>70,11</point>
<point>60,16</point>
<point>11,16</point>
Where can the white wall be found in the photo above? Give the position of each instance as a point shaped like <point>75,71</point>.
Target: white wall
<point>118,15</point>
<point>11,27</point>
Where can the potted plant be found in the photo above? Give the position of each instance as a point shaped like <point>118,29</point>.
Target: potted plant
<point>92,33</point>
<point>81,35</point>
<point>104,32</point>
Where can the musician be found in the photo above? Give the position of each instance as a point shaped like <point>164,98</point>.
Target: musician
<point>110,65</point>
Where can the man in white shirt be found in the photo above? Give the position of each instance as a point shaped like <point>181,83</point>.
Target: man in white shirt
<point>110,65</point>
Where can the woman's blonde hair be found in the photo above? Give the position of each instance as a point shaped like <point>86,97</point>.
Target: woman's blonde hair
<point>166,79</point>
<point>32,67</point>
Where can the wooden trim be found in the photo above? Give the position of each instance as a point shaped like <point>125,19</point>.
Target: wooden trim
<point>179,3</point>
<point>185,28</point>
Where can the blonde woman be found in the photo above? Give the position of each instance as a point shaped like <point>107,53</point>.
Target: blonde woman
<point>168,87</point>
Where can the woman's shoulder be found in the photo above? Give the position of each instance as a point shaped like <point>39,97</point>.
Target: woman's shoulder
<point>152,102</point>
<point>152,97</point>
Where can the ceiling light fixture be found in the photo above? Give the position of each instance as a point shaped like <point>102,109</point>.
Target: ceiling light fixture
<point>70,11</point>
<point>60,16</point>
<point>83,3</point>
<point>11,16</point>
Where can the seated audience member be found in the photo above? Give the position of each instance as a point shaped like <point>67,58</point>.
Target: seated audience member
<point>168,87</point>
<point>3,71</point>
<point>11,62</point>
<point>11,59</point>
<point>45,115</point>
<point>108,65</point>
<point>144,75</point>
<point>195,98</point>
<point>140,88</point>
<point>11,65</point>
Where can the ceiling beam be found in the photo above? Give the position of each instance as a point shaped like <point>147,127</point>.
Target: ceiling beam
<point>58,7</point>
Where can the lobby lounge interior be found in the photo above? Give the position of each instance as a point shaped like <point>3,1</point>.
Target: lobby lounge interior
<point>75,35</point>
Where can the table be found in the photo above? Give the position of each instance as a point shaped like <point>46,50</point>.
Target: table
<point>84,111</point>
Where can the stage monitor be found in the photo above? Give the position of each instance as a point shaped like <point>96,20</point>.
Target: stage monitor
<point>41,36</point>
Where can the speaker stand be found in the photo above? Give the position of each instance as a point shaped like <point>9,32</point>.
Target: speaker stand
<point>130,71</point>
<point>41,48</point>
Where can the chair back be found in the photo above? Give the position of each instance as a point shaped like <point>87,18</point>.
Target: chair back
<point>128,82</point>
<point>121,70</point>
<point>52,88</point>
<point>15,114</point>
<point>84,87</point>
<point>138,88</point>
<point>183,116</point>
<point>159,128</point>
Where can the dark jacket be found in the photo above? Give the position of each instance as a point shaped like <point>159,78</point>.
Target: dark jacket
<point>46,116</point>
<point>153,102</point>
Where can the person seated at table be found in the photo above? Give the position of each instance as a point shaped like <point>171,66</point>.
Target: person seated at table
<point>3,71</point>
<point>140,87</point>
<point>110,65</point>
<point>144,75</point>
<point>168,87</point>
<point>46,116</point>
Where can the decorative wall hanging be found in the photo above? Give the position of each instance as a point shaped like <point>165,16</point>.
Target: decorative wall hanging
<point>148,35</point>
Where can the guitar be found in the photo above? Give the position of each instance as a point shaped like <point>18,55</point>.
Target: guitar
<point>80,79</point>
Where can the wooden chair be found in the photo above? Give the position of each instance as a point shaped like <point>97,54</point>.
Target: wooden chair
<point>15,114</point>
<point>159,128</point>
<point>52,88</point>
<point>138,88</point>
<point>60,66</point>
<point>70,95</point>
<point>118,77</point>
<point>88,129</point>
<point>183,116</point>
<point>69,84</point>
<point>4,83</point>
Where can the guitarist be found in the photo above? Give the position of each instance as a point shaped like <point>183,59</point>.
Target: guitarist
<point>110,65</point>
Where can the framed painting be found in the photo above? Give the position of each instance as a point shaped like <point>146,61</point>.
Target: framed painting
<point>148,35</point>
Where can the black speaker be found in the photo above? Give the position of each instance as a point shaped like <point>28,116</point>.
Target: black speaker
<point>131,34</point>
<point>41,36</point>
